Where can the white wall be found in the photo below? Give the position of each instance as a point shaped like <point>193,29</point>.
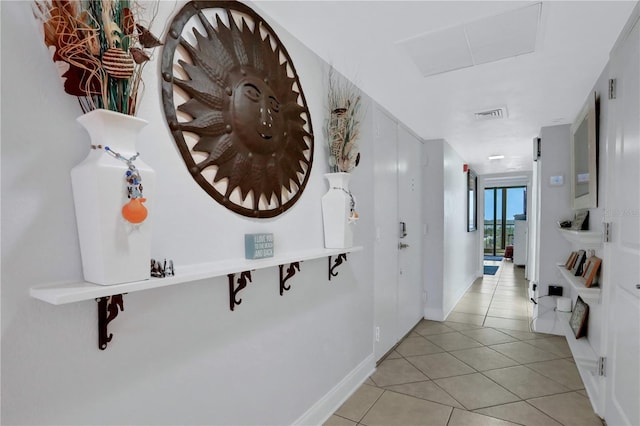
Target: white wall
<point>461,248</point>
<point>554,206</point>
<point>452,255</point>
<point>433,202</point>
<point>178,355</point>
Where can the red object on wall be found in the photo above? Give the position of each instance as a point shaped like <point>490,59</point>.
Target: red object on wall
<point>465,167</point>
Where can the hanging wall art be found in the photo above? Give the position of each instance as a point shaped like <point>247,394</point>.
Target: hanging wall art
<point>236,109</point>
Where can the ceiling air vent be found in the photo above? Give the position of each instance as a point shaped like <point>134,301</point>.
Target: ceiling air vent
<point>491,114</point>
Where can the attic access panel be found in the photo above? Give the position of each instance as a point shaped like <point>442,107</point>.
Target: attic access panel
<point>236,109</point>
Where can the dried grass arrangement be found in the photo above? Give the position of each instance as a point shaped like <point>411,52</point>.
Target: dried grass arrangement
<point>343,124</point>
<point>99,46</point>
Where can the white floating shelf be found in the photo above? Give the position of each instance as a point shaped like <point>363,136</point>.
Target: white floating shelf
<point>70,292</point>
<point>588,294</point>
<point>583,354</point>
<point>584,239</point>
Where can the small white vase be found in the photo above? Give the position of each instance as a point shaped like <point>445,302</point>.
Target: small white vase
<point>113,250</point>
<point>336,210</point>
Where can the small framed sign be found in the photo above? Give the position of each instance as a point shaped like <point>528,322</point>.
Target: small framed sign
<point>581,221</point>
<point>258,246</point>
<point>579,317</point>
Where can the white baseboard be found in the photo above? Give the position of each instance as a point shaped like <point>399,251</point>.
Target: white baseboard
<point>328,404</point>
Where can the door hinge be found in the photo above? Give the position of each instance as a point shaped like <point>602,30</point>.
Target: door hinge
<point>612,88</point>
<point>602,366</point>
<point>606,232</point>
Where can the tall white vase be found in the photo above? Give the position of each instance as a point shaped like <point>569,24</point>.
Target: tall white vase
<point>113,250</point>
<point>336,210</point>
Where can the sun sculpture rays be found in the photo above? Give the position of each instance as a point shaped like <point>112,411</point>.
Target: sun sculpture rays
<point>243,107</point>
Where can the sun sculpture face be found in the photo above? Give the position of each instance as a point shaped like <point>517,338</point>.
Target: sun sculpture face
<point>241,122</point>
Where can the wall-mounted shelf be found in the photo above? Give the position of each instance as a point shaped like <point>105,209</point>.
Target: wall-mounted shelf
<point>584,239</point>
<point>582,352</point>
<point>588,294</point>
<point>70,292</point>
<point>110,300</point>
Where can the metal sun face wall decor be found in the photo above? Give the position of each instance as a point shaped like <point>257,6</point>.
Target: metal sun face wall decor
<point>235,107</point>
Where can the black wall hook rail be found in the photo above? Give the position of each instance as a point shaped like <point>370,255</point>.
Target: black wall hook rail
<point>291,271</point>
<point>233,290</point>
<point>338,261</point>
<point>108,309</point>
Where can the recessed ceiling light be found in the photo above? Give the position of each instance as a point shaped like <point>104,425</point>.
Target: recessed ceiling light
<point>496,157</point>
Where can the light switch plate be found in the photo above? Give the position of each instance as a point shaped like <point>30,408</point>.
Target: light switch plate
<point>556,180</point>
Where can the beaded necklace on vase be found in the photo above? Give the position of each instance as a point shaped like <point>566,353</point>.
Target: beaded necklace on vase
<point>354,216</point>
<point>133,211</point>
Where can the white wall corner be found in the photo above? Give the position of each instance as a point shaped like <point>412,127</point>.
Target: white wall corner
<point>324,408</point>
<point>434,314</point>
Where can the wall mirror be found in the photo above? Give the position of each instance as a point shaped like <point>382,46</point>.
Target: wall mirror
<point>584,152</point>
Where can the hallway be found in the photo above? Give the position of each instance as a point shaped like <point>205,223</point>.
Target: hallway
<point>480,367</point>
<point>498,300</point>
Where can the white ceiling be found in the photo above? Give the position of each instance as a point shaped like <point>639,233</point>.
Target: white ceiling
<point>546,87</point>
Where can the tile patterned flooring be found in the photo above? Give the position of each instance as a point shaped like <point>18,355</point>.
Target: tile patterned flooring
<point>480,367</point>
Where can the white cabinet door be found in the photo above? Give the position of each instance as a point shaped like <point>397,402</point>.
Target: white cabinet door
<point>622,255</point>
<point>386,244</point>
<point>398,198</point>
<point>410,288</point>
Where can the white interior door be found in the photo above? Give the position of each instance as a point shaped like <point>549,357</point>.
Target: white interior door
<point>386,222</point>
<point>622,254</point>
<point>410,288</point>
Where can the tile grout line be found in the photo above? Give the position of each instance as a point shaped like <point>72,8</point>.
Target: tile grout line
<point>493,294</point>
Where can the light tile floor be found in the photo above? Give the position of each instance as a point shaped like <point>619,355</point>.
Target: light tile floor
<point>499,300</point>
<point>480,367</point>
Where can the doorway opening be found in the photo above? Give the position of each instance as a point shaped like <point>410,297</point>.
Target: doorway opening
<point>502,206</point>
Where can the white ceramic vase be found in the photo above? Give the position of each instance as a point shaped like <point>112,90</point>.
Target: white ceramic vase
<point>336,210</point>
<point>113,250</point>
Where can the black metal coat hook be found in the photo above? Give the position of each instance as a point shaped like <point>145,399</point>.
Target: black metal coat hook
<point>291,271</point>
<point>108,309</point>
<point>341,258</point>
<point>233,290</point>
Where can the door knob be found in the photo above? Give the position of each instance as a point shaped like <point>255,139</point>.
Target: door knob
<point>638,286</point>
<point>402,246</point>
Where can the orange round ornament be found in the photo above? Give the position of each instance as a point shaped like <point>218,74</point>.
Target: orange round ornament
<point>134,211</point>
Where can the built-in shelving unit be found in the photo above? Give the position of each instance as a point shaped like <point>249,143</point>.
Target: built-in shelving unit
<point>70,292</point>
<point>588,294</point>
<point>584,239</point>
<point>586,350</point>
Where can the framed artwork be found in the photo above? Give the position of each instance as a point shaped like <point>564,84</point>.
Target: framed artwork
<point>577,265</point>
<point>572,257</point>
<point>579,316</point>
<point>581,221</point>
<point>590,270</point>
<point>472,200</point>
